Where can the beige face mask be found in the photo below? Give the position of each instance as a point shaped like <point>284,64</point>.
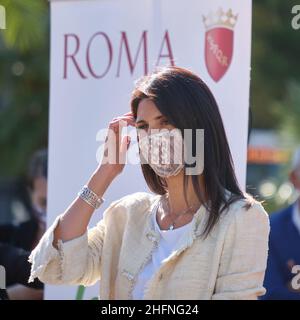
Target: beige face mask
<point>163,151</point>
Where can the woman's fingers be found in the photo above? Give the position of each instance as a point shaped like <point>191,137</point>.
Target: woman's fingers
<point>119,125</point>
<point>125,142</point>
<point>123,117</point>
<point>120,122</point>
<point>123,121</point>
<point>115,145</point>
<point>128,113</point>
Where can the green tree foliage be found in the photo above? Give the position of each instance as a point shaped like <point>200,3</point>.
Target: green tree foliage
<point>275,74</point>
<point>24,74</point>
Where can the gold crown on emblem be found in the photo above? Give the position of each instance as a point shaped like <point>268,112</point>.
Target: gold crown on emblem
<point>220,17</point>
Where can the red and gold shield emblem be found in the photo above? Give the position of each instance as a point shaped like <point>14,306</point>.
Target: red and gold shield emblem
<point>219,38</point>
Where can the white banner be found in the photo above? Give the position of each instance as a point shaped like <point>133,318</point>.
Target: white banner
<point>99,48</point>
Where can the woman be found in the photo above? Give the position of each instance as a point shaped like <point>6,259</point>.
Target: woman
<point>197,237</point>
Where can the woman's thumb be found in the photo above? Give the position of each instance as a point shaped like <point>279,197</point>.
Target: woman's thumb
<point>125,142</point>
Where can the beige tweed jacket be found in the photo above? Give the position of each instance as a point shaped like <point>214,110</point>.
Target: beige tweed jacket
<point>228,264</point>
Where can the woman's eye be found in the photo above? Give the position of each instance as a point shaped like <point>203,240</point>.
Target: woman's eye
<point>165,121</point>
<point>141,127</point>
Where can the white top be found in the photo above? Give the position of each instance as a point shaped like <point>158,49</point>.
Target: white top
<point>296,216</point>
<point>167,243</point>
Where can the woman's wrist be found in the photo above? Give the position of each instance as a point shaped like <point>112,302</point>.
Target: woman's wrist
<point>100,180</point>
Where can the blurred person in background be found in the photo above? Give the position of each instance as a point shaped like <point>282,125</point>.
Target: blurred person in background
<point>37,181</point>
<point>284,245</point>
<point>17,267</point>
<point>27,234</point>
<point>16,241</point>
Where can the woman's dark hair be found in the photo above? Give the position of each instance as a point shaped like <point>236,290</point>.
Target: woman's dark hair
<point>188,103</point>
<point>38,166</point>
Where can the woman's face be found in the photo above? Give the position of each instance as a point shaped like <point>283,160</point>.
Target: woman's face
<point>149,117</point>
<point>163,152</point>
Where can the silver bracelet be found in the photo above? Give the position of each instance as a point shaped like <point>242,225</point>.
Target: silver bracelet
<point>90,197</point>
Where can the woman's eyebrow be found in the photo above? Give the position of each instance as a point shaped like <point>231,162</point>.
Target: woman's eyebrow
<point>156,118</point>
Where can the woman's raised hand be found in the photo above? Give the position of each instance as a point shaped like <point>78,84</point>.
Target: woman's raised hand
<point>77,216</point>
<point>116,146</point>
